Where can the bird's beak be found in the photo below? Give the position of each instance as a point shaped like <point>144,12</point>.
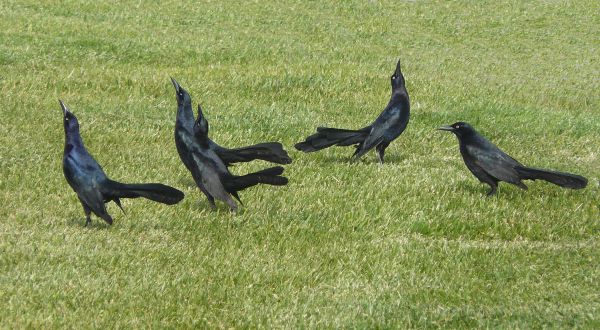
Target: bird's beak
<point>64,108</point>
<point>446,128</point>
<point>175,84</point>
<point>398,71</point>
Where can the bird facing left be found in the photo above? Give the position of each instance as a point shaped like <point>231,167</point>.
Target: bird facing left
<point>93,188</point>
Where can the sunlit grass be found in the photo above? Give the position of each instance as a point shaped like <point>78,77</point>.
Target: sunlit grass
<point>413,243</point>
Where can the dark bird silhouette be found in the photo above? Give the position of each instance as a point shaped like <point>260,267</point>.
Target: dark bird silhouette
<point>269,151</point>
<point>232,184</point>
<point>208,170</point>
<point>385,129</point>
<point>89,181</point>
<point>491,165</point>
<point>184,137</point>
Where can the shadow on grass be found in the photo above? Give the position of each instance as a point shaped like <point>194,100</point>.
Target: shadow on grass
<point>97,223</point>
<point>222,208</point>
<point>187,182</point>
<point>369,158</point>
<point>505,190</point>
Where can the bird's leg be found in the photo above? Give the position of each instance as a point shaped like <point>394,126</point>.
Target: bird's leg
<point>492,191</point>
<point>381,151</point>
<point>211,202</point>
<point>231,204</point>
<point>88,212</point>
<point>380,154</point>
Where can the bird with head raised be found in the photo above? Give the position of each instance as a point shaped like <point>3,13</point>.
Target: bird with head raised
<point>385,129</point>
<point>204,158</point>
<point>90,183</point>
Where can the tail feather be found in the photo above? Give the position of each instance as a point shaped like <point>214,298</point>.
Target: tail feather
<point>566,180</point>
<point>270,176</point>
<point>153,191</point>
<point>270,151</point>
<point>327,137</point>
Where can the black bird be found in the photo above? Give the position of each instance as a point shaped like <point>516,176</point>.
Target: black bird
<point>269,151</point>
<point>491,165</point>
<point>385,129</point>
<point>208,170</point>
<point>184,137</point>
<point>232,184</point>
<point>89,181</point>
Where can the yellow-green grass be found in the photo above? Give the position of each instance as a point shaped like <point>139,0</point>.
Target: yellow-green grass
<point>413,243</point>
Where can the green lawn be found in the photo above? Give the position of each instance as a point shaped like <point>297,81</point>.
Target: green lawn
<point>413,243</point>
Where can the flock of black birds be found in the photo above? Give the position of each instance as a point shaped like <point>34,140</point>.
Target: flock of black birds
<point>209,162</point>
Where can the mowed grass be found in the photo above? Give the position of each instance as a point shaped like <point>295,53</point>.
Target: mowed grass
<point>413,243</point>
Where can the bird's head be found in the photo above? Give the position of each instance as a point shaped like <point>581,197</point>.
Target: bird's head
<point>201,125</point>
<point>397,79</point>
<point>182,96</point>
<point>459,129</point>
<point>69,120</point>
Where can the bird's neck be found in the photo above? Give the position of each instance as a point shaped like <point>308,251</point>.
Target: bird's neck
<point>185,116</point>
<point>399,92</point>
<point>400,96</point>
<point>73,139</point>
<point>470,138</point>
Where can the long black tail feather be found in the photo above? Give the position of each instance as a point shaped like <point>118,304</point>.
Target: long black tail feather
<point>327,137</point>
<point>566,180</point>
<point>270,176</point>
<point>270,151</point>
<point>153,191</point>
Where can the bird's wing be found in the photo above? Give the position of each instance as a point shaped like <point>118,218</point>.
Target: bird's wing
<point>205,171</point>
<point>92,196</point>
<point>495,162</point>
<point>378,130</point>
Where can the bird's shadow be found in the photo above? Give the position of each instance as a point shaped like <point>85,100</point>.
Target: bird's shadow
<point>221,209</point>
<point>96,224</point>
<point>366,159</point>
<point>187,182</point>
<point>482,189</point>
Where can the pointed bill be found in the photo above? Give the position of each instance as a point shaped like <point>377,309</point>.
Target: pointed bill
<point>64,108</point>
<point>398,71</point>
<point>446,128</point>
<point>175,84</point>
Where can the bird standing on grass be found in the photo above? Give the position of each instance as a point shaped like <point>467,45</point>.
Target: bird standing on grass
<point>209,171</point>
<point>491,165</point>
<point>89,181</point>
<point>385,129</point>
<point>268,151</point>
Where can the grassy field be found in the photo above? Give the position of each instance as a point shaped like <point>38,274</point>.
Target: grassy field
<point>413,243</point>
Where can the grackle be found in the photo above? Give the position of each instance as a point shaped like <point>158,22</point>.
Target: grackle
<point>491,165</point>
<point>208,170</point>
<point>89,181</point>
<point>269,151</point>
<point>385,129</point>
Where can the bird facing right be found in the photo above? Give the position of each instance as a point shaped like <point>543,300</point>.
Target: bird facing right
<point>491,165</point>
